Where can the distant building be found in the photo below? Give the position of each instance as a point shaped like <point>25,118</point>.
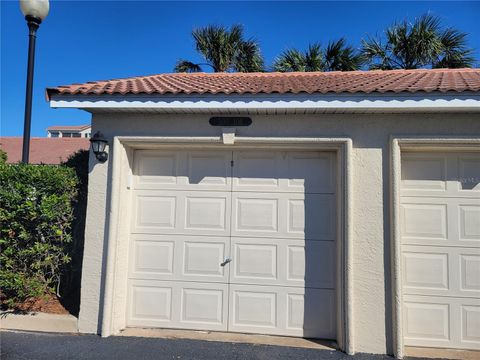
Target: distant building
<point>79,131</point>
<point>43,150</point>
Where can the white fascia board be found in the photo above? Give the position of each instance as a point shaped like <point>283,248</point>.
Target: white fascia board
<point>415,101</point>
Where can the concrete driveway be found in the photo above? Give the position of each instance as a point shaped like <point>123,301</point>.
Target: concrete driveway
<point>38,346</point>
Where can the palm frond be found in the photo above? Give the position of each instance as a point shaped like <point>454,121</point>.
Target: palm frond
<point>455,53</point>
<point>314,58</point>
<point>376,54</point>
<point>290,60</point>
<point>341,57</point>
<point>187,66</point>
<point>248,57</point>
<point>422,43</point>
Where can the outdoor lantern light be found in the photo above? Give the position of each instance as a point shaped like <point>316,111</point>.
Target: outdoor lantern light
<point>36,9</point>
<point>35,12</point>
<point>98,146</point>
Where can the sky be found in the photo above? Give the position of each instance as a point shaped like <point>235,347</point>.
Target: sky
<point>83,41</point>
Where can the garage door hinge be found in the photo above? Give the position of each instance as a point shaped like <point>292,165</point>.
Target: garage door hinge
<point>231,163</point>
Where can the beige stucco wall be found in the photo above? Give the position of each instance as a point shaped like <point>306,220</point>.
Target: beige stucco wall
<point>370,133</point>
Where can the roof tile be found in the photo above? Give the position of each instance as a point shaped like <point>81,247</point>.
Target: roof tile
<point>377,81</point>
<point>43,150</point>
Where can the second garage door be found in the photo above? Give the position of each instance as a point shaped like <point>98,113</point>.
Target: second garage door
<point>239,241</point>
<point>440,212</point>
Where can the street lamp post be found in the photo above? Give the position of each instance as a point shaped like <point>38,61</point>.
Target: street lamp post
<point>35,12</point>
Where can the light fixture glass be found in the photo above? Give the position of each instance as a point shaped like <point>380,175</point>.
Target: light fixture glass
<point>35,8</point>
<point>99,143</point>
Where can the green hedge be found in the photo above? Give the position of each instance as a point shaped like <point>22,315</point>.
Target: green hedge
<point>36,214</point>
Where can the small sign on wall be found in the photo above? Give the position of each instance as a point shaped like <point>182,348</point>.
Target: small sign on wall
<point>226,121</point>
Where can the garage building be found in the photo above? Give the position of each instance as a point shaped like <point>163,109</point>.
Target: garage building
<point>341,206</point>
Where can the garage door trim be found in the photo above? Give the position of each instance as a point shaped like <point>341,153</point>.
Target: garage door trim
<point>399,144</point>
<point>116,248</point>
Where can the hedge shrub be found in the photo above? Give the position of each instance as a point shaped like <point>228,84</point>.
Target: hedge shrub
<point>71,278</point>
<point>36,213</point>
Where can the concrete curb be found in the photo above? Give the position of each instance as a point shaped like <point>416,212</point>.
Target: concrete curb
<point>229,337</point>
<point>55,323</point>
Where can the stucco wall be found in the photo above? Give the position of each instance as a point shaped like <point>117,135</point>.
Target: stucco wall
<point>371,233</point>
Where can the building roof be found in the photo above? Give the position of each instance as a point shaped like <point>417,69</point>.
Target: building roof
<point>69,128</point>
<point>378,81</point>
<point>43,150</point>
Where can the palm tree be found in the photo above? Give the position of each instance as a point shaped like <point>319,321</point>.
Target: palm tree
<point>223,50</point>
<point>295,60</point>
<point>420,44</point>
<point>342,57</point>
<point>455,53</point>
<point>337,56</point>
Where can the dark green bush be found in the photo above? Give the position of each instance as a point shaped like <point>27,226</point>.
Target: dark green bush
<point>72,277</point>
<point>36,213</point>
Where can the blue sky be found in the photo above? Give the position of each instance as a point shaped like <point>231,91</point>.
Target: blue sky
<point>93,40</point>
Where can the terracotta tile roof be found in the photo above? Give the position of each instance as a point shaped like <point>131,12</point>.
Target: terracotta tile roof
<point>68,127</point>
<point>43,150</point>
<point>396,81</point>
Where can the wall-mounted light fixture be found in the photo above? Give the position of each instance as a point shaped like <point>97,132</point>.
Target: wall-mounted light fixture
<point>99,143</point>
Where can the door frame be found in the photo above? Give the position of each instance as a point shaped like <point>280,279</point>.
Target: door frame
<point>399,144</point>
<point>113,310</point>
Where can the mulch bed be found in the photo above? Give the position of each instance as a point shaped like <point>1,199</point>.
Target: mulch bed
<point>47,304</point>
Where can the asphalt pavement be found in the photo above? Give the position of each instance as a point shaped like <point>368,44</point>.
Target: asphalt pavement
<point>40,346</point>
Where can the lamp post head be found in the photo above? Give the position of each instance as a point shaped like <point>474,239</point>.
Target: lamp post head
<point>37,9</point>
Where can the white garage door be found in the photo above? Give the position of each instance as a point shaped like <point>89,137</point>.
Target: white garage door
<point>440,214</point>
<point>239,241</point>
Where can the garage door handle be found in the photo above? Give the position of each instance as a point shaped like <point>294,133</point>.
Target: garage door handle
<point>227,260</point>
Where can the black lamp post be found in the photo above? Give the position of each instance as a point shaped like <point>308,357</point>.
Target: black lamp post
<point>35,12</point>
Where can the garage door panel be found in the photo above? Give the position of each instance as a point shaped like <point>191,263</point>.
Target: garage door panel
<point>469,222</point>
<point>470,271</point>
<point>202,306</point>
<point>469,171</point>
<point>284,215</point>
<point>424,220</point>
<point>441,271</point>
<point>256,170</point>
<point>311,172</point>
<point>441,321</point>
<point>202,259</point>
<point>307,309</point>
<point>152,258</point>
<point>440,221</point>
<point>179,257</point>
<point>281,171</point>
<point>312,217</point>
<point>209,170</point>
<point>425,271</point>
<point>155,212</point>
<point>257,214</point>
<point>424,172</point>
<point>429,322</point>
<point>441,175</point>
<point>282,311</point>
<point>311,265</point>
<point>150,303</point>
<point>255,262</point>
<point>181,212</point>
<point>183,170</point>
<point>283,262</point>
<point>155,169</point>
<point>183,305</point>
<point>470,328</point>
